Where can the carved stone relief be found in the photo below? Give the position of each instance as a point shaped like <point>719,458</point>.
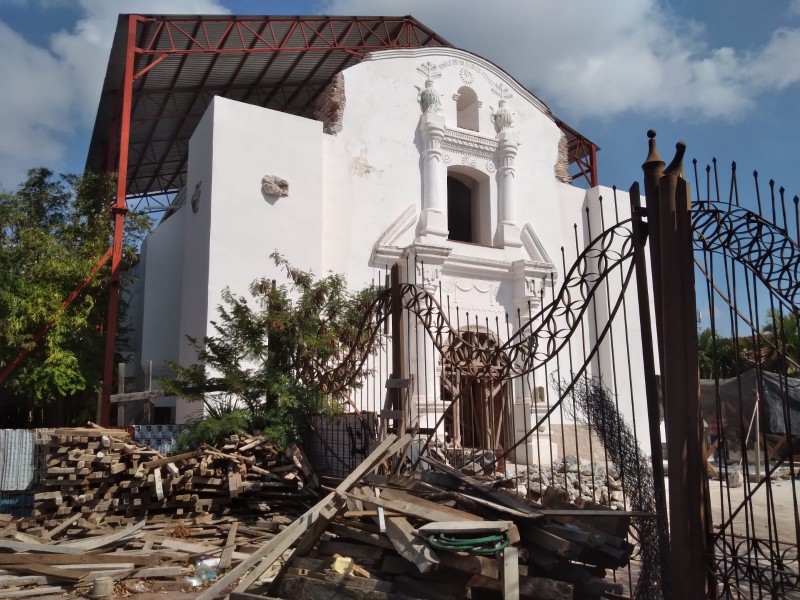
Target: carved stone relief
<point>429,99</point>
<point>428,276</point>
<point>469,149</point>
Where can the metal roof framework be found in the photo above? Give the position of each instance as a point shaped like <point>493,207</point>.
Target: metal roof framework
<point>164,71</point>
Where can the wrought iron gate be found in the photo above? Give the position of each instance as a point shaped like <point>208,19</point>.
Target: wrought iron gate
<point>550,400</point>
<point>748,261</point>
<point>560,400</point>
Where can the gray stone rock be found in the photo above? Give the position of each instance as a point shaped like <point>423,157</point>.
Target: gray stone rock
<point>272,185</point>
<point>735,479</point>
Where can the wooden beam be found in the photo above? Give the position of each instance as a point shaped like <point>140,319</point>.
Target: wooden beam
<point>411,546</point>
<point>274,549</point>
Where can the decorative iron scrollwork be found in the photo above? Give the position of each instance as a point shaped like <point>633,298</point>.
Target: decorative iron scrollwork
<point>763,247</point>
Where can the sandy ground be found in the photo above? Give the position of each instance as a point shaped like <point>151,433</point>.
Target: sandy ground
<point>725,501</point>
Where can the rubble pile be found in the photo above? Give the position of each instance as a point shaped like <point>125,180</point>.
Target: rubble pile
<point>383,533</point>
<point>582,479</point>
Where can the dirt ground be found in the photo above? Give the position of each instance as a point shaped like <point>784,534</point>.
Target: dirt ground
<point>725,500</point>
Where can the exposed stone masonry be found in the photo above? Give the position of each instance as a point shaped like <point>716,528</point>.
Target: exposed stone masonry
<point>330,105</point>
<point>562,164</point>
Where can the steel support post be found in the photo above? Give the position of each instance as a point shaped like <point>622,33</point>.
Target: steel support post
<point>119,211</point>
<point>688,482</point>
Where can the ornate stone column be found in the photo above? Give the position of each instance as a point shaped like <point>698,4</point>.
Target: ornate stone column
<point>433,219</point>
<point>508,231</point>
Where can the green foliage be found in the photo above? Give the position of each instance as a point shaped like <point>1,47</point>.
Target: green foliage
<point>211,429</point>
<point>53,230</point>
<point>266,352</point>
<point>781,353</point>
<point>776,348</point>
<point>717,356</point>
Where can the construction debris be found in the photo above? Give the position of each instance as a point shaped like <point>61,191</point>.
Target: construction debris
<point>433,533</point>
<point>107,478</point>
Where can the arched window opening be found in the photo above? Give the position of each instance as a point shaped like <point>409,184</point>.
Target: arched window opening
<point>478,414</point>
<point>459,211</point>
<point>467,105</point>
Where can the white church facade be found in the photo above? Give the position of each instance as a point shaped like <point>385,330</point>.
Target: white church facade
<point>432,157</point>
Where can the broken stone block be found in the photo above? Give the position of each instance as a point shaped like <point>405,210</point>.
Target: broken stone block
<point>735,479</point>
<point>272,185</point>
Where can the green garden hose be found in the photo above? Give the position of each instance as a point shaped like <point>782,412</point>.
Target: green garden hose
<point>490,544</point>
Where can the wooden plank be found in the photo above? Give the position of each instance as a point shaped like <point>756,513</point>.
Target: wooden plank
<point>395,384</point>
<point>49,570</point>
<point>37,591</point>
<point>159,462</point>
<point>510,573</point>
<point>272,550</point>
<point>530,588</point>
<point>411,546</point>
<point>55,559</point>
<point>99,541</point>
<point>465,527</point>
<point>488,491</point>
<point>134,396</point>
<point>413,506</point>
<point>230,546</point>
<point>158,484</point>
<point>47,548</point>
<point>470,563</point>
<point>365,537</point>
<point>166,571</point>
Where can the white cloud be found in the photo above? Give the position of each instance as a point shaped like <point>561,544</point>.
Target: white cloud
<point>601,59</point>
<point>53,92</point>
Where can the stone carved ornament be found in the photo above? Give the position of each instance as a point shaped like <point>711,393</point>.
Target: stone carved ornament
<point>502,118</point>
<point>429,98</point>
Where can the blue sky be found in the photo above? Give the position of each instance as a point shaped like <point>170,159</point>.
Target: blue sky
<point>723,75</point>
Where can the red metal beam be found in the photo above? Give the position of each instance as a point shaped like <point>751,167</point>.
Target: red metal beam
<point>306,34</point>
<point>119,210</point>
<point>11,367</point>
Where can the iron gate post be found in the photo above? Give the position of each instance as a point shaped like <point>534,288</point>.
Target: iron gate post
<point>669,205</point>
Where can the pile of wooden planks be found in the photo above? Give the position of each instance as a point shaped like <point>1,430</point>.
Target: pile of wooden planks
<point>373,536</point>
<point>161,554</point>
<point>105,477</point>
<point>370,538</point>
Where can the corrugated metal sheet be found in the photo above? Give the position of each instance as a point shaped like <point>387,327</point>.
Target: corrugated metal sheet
<point>17,452</point>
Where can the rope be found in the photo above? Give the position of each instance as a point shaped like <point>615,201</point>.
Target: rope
<point>490,544</point>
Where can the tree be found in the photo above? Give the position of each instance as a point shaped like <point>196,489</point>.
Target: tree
<point>53,230</point>
<point>271,357</point>
<point>779,350</point>
<point>717,356</point>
